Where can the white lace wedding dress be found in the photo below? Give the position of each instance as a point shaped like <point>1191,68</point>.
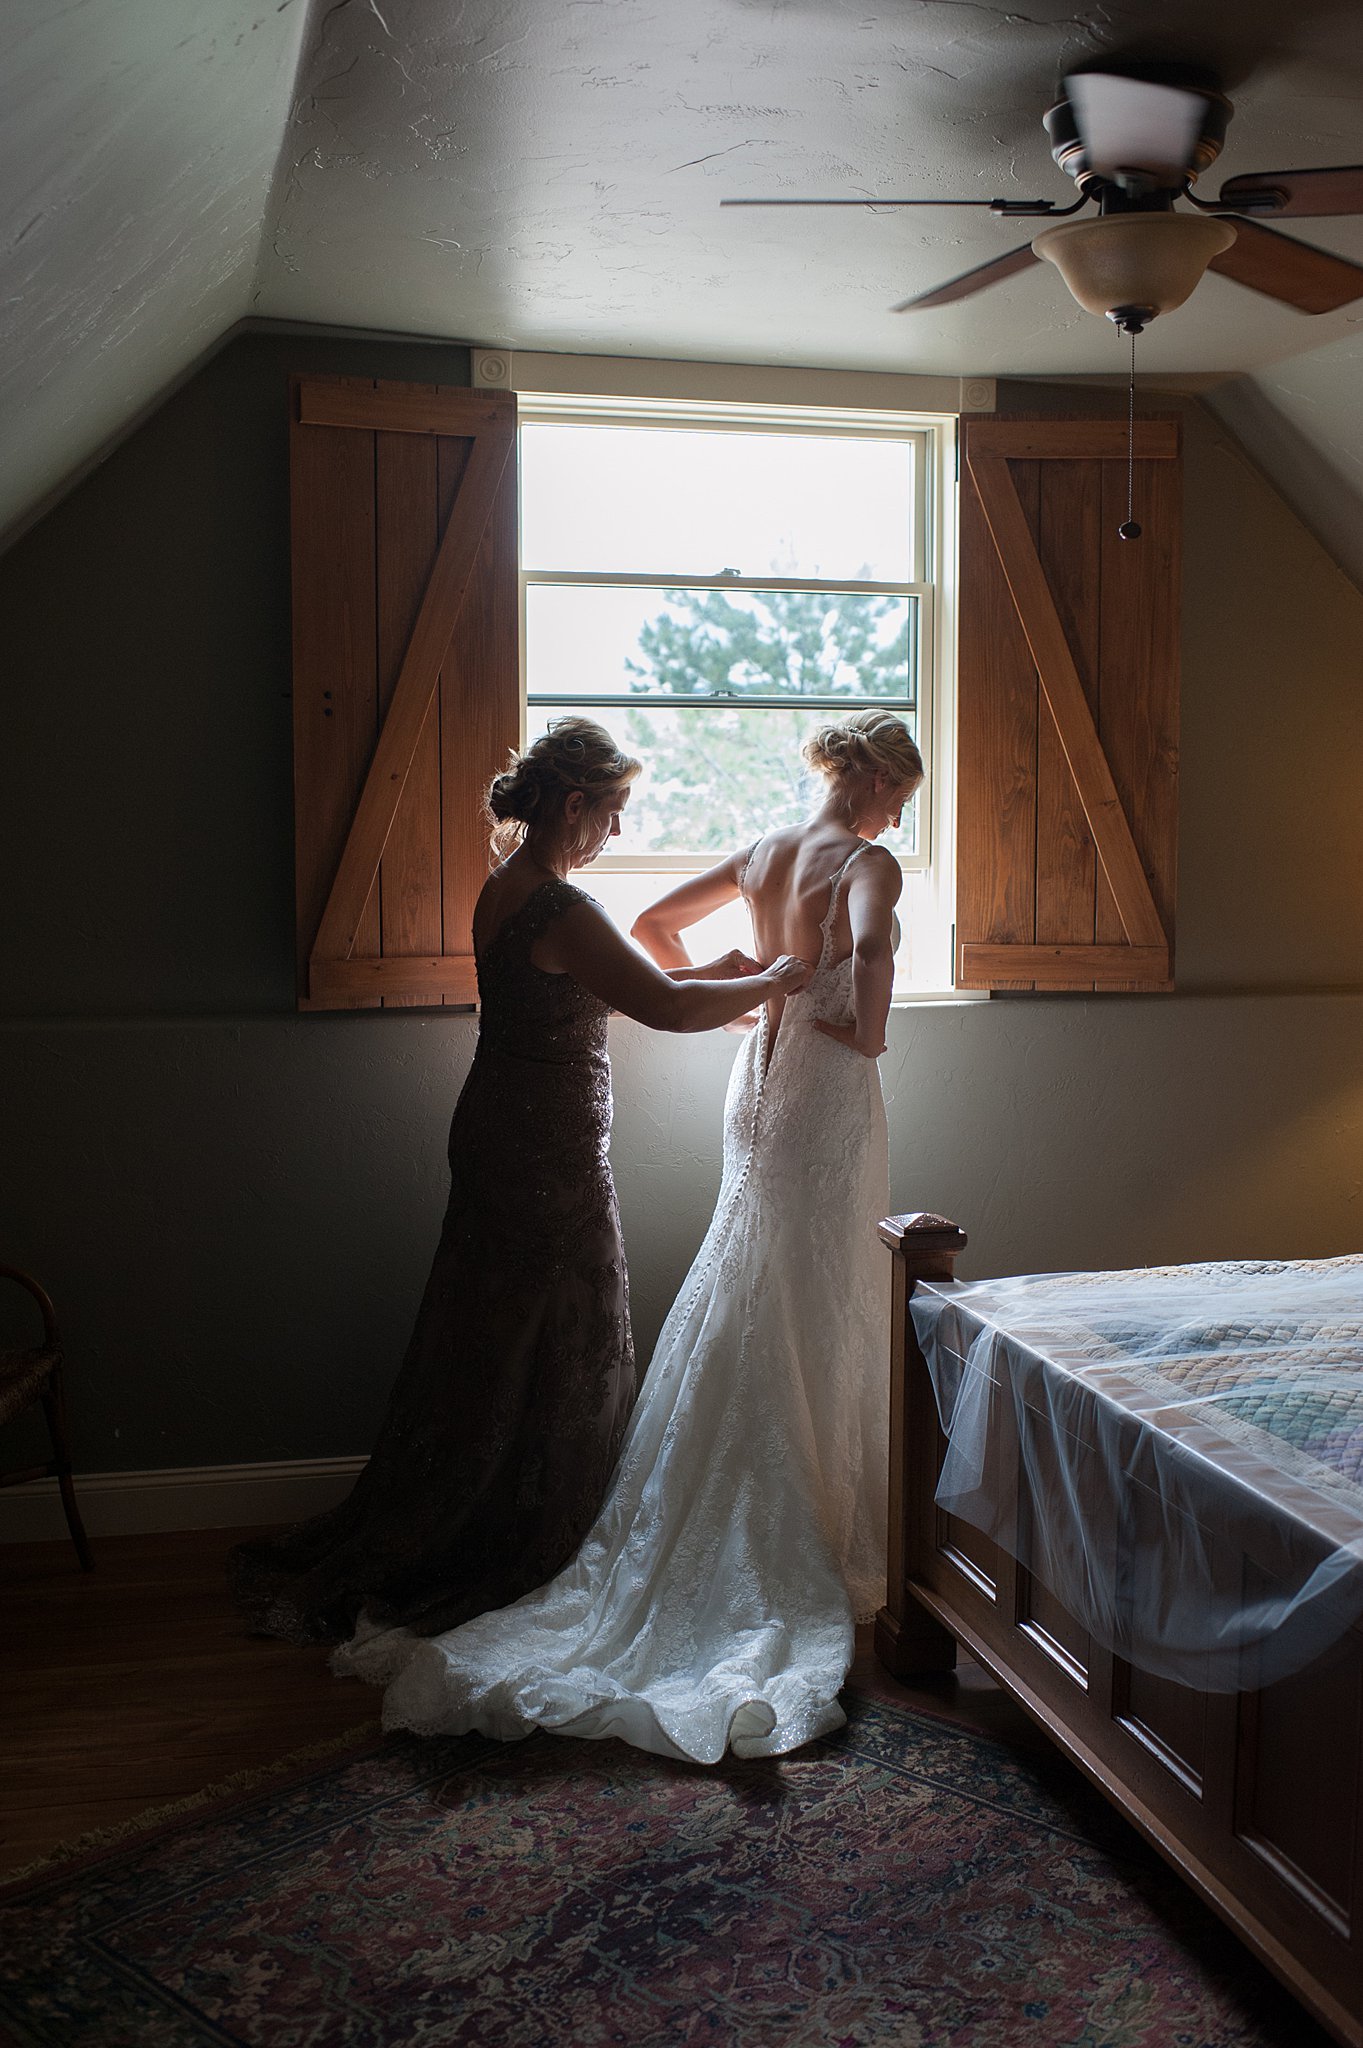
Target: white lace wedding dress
<point>711,1605</point>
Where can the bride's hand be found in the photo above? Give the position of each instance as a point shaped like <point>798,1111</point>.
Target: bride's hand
<point>846,1034</point>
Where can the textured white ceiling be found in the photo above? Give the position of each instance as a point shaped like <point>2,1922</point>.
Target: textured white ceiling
<point>138,139</point>
<point>546,174</point>
<point>549,175</point>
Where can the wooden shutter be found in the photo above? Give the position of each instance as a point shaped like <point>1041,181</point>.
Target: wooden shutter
<point>406,679</point>
<point>1068,709</point>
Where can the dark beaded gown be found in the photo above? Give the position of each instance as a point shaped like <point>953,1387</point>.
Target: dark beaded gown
<point>506,1418</point>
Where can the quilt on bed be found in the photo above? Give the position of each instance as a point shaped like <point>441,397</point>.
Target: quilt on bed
<point>1272,1347</point>
<point>1194,1403</point>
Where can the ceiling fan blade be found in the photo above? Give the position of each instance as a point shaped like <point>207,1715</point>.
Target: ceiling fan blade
<point>1312,280</point>
<point>1009,206</point>
<point>969,281</point>
<point>1132,123</point>
<point>1306,195</point>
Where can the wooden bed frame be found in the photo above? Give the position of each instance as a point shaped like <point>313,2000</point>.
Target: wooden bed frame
<point>1256,1798</point>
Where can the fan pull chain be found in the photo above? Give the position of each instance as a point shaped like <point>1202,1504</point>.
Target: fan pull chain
<point>1129,530</point>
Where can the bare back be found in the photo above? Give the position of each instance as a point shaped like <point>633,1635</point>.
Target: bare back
<point>787,885</point>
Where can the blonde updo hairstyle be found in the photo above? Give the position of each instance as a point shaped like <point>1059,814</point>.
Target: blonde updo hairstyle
<point>872,742</point>
<point>526,800</point>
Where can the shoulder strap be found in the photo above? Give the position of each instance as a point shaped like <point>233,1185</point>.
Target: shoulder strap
<point>834,897</point>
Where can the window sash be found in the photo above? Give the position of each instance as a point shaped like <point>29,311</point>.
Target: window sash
<point>919,595</point>
<point>820,423</point>
<point>929,449</point>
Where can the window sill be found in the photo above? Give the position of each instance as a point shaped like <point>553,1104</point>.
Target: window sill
<point>914,998</point>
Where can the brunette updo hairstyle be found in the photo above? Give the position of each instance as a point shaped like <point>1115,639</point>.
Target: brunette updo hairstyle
<point>872,741</point>
<point>528,796</point>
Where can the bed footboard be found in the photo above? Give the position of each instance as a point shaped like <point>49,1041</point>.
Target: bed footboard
<point>1256,1797</point>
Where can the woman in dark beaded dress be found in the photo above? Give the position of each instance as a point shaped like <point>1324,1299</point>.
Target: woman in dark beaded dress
<point>504,1424</point>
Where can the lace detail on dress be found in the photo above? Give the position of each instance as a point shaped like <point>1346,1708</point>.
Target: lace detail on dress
<point>508,1413</point>
<point>834,899</point>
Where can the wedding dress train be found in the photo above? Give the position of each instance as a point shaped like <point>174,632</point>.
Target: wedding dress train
<point>711,1604</point>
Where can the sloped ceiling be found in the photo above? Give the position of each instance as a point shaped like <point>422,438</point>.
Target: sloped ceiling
<point>1302,419</point>
<point>138,139</point>
<point>546,174</point>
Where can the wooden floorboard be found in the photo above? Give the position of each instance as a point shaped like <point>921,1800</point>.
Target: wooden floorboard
<point>137,1684</point>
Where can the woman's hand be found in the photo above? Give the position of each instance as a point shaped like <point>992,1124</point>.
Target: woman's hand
<point>788,975</point>
<point>729,967</point>
<point>846,1034</point>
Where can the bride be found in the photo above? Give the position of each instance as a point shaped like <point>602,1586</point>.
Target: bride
<point>711,1604</point>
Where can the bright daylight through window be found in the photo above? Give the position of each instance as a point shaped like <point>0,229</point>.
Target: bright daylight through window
<point>712,586</point>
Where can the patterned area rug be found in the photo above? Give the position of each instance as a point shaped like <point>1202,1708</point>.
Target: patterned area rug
<point>905,1882</point>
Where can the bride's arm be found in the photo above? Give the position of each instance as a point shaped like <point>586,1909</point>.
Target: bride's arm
<point>872,892</point>
<point>659,928</point>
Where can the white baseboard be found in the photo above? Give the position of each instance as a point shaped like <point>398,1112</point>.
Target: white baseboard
<point>187,1497</point>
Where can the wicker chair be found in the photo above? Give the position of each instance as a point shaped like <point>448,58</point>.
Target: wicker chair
<point>27,1377</point>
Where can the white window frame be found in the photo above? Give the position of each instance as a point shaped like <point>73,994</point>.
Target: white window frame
<point>756,400</point>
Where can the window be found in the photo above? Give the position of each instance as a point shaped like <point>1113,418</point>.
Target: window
<point>653,603</point>
<point>711,582</point>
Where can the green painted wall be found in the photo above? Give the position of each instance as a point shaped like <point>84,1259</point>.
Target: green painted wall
<point>235,1206</point>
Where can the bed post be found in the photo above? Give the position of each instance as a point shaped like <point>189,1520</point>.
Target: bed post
<point>907,1639</point>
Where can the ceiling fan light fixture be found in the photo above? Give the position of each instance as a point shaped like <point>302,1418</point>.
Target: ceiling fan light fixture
<point>1148,260</point>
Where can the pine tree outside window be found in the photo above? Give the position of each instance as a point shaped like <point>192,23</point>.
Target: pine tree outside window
<point>713,583</point>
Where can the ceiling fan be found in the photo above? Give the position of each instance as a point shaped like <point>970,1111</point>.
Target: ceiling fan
<point>1134,138</point>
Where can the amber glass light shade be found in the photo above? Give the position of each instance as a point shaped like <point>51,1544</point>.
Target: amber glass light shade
<point>1134,259</point>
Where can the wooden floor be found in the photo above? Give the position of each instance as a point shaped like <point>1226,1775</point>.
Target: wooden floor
<point>136,1684</point>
